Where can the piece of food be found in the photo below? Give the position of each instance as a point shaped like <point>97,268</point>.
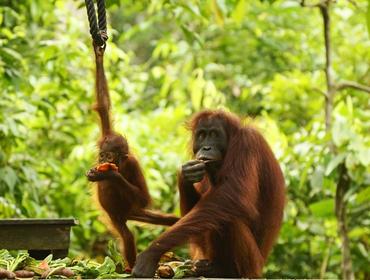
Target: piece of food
<point>59,271</point>
<point>44,265</point>
<point>165,271</point>
<point>67,272</point>
<point>5,274</point>
<point>24,274</point>
<point>107,166</point>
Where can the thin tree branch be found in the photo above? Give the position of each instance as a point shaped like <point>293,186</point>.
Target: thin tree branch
<point>344,179</point>
<point>316,5</point>
<point>330,89</point>
<point>323,93</point>
<point>353,3</point>
<point>350,84</point>
<point>325,261</point>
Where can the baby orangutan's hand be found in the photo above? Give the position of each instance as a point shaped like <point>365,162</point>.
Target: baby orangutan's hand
<point>102,172</point>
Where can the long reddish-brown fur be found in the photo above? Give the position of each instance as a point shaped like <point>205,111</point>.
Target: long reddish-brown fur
<point>235,221</point>
<point>124,194</point>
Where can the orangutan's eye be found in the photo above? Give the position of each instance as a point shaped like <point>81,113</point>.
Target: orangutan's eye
<point>213,134</point>
<point>200,135</point>
<point>110,157</point>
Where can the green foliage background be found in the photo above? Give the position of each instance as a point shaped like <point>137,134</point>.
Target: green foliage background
<point>166,60</point>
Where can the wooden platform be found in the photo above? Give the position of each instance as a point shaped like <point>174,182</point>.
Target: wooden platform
<point>39,236</point>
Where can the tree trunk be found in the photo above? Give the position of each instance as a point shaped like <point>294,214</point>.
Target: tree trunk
<point>343,180</point>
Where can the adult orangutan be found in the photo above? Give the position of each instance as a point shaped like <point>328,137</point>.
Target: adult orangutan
<point>122,190</point>
<point>232,199</point>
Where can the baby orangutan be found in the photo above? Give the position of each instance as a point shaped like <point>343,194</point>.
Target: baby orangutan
<point>122,190</point>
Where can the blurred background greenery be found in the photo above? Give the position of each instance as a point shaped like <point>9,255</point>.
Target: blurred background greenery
<point>264,60</point>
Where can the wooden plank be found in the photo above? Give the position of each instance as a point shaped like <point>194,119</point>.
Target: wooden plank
<point>34,237</point>
<point>70,222</point>
<point>35,234</point>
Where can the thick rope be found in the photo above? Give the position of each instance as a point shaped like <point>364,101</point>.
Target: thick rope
<point>98,32</point>
<point>101,16</point>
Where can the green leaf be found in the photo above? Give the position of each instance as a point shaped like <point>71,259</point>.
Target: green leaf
<point>9,177</point>
<point>217,12</point>
<point>239,12</point>
<point>184,271</point>
<point>107,266</point>
<point>12,53</point>
<point>191,35</point>
<point>341,132</point>
<point>363,155</point>
<point>338,159</point>
<point>114,254</point>
<point>49,258</point>
<point>363,196</point>
<point>322,209</point>
<point>317,178</point>
<point>358,232</point>
<point>12,125</point>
